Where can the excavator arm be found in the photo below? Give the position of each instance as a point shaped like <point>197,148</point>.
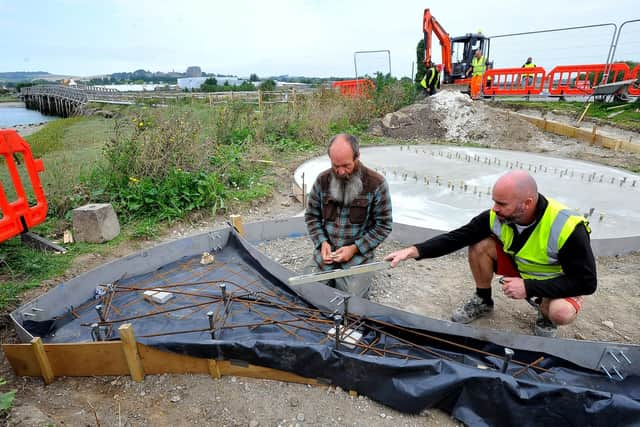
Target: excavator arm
<point>431,26</point>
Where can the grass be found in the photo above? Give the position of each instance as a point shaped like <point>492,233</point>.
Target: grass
<point>23,268</point>
<point>160,165</point>
<point>628,117</point>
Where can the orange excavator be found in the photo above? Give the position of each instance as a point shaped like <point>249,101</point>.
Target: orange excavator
<point>457,52</point>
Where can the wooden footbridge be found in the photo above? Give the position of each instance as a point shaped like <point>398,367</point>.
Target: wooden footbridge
<point>67,101</point>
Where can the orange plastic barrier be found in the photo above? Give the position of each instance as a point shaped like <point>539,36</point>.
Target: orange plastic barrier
<point>14,213</point>
<point>358,87</point>
<point>580,79</point>
<point>513,81</point>
<point>634,90</point>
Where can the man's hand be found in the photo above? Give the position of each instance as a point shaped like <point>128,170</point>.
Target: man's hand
<point>513,287</point>
<point>325,252</point>
<point>344,254</point>
<point>398,256</point>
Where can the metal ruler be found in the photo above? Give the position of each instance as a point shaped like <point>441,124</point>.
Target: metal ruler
<point>333,274</point>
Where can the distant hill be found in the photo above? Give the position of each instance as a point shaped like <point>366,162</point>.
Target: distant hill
<point>21,76</point>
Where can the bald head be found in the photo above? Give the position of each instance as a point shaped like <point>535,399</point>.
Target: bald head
<point>515,196</point>
<point>342,142</point>
<point>343,153</point>
<point>519,183</point>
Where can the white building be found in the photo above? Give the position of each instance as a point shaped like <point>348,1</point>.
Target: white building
<point>192,83</point>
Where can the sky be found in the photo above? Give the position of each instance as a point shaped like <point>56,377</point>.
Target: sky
<point>295,37</point>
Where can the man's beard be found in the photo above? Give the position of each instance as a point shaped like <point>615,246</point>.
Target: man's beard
<point>517,215</point>
<point>345,189</point>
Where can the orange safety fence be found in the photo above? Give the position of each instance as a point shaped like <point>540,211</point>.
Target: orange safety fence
<point>580,79</point>
<point>17,214</point>
<point>357,87</point>
<point>634,89</point>
<point>513,81</point>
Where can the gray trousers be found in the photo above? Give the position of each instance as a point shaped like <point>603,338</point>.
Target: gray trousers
<point>357,285</point>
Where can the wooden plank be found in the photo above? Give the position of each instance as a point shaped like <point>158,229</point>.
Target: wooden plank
<point>588,136</point>
<point>159,362</point>
<point>253,371</point>
<point>72,359</point>
<point>22,359</point>
<point>87,359</point>
<point>130,349</point>
<point>108,358</point>
<point>43,360</point>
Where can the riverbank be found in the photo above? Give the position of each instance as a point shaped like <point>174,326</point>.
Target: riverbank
<point>24,129</point>
<point>12,104</point>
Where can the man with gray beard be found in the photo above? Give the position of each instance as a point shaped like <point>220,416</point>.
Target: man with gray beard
<point>348,215</point>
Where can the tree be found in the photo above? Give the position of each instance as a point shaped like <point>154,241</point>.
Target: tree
<point>421,68</point>
<point>210,85</point>
<point>268,85</point>
<point>254,77</point>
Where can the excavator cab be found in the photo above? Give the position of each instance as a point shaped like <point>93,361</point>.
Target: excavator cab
<point>462,50</point>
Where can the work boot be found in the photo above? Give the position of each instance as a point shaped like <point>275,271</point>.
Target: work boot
<point>471,310</point>
<point>545,327</point>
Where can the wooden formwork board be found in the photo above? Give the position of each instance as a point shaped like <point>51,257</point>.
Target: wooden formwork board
<point>590,136</point>
<point>110,358</point>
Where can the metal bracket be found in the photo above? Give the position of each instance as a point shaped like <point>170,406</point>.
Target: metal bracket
<point>615,362</point>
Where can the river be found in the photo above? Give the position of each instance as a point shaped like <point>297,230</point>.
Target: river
<point>14,114</point>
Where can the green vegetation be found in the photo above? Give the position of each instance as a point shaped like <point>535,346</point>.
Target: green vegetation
<point>421,68</point>
<point>159,165</point>
<point>6,399</point>
<point>626,115</point>
<point>23,268</point>
<point>211,85</point>
<point>268,85</point>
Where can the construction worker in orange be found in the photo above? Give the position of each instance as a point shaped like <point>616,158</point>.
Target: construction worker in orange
<point>477,68</point>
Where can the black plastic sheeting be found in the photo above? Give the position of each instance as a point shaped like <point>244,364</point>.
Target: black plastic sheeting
<point>264,322</point>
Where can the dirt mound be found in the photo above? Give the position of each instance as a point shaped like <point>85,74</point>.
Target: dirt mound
<point>454,117</point>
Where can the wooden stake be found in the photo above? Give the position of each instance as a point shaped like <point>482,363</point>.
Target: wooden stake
<point>583,113</point>
<point>43,360</point>
<point>130,349</point>
<point>236,221</point>
<point>214,370</point>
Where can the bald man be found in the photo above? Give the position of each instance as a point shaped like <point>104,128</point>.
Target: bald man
<point>539,247</point>
<point>348,215</point>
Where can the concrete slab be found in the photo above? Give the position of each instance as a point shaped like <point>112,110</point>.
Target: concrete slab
<point>443,187</point>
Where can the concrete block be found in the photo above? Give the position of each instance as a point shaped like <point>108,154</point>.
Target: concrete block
<point>95,223</point>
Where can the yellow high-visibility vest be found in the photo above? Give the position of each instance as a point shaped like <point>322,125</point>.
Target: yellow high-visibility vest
<point>531,65</point>
<point>538,258</point>
<point>479,65</point>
